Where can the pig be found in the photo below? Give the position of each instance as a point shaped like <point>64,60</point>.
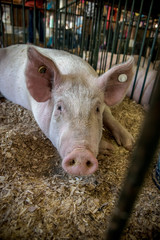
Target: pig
<point>140,77</point>
<point>148,87</point>
<point>70,103</point>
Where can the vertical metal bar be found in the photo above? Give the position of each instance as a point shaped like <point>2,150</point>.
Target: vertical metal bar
<point>98,35</point>
<point>12,21</point>
<point>140,162</point>
<point>157,54</point>
<point>94,34</point>
<point>129,31</point>
<point>56,28</point>
<point>44,24</point>
<point>1,28</point>
<point>137,26</point>
<point>91,46</point>
<point>101,68</point>
<point>91,33</point>
<point>115,31</point>
<point>6,29</point>
<point>16,24</point>
<point>64,30</point>
<point>108,39</point>
<point>148,42</point>
<point>149,60</point>
<point>23,17</point>
<point>83,31</point>
<point>110,28</point>
<point>144,36</point>
<point>105,53</point>
<point>121,31</point>
<point>34,23</point>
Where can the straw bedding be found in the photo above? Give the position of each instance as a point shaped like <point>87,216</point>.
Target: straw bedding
<point>38,200</point>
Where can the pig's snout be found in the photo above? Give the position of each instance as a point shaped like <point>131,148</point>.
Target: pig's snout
<point>80,162</point>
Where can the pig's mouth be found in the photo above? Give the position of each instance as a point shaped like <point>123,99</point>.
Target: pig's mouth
<point>80,162</point>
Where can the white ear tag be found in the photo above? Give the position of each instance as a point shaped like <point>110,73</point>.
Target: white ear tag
<point>122,78</point>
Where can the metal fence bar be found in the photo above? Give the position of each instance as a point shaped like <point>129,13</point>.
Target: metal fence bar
<point>129,31</point>
<point>1,28</point>
<point>121,31</point>
<point>157,54</point>
<point>137,26</point>
<point>57,17</point>
<point>108,39</point>
<point>149,61</point>
<point>83,31</point>
<point>65,17</point>
<point>12,21</point>
<point>110,29</point>
<point>23,21</point>
<point>45,14</point>
<point>98,27</point>
<point>91,46</point>
<point>140,162</point>
<point>114,36</point>
<point>147,40</point>
<point>139,59</point>
<point>102,66</point>
<point>34,23</point>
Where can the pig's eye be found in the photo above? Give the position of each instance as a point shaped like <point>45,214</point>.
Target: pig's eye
<point>59,108</point>
<point>97,109</point>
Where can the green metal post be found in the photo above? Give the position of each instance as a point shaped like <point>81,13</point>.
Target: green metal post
<point>57,16</point>
<point>92,40</point>
<point>1,28</point>
<point>23,17</point>
<point>129,30</point>
<point>12,21</point>
<point>98,34</point>
<point>149,60</point>
<point>64,30</point>
<point>101,68</point>
<point>45,17</point>
<point>121,31</point>
<point>139,59</point>
<point>115,32</point>
<point>34,23</point>
<point>108,39</point>
<point>137,27</point>
<point>83,31</point>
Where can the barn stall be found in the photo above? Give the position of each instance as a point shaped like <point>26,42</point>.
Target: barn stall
<point>38,199</point>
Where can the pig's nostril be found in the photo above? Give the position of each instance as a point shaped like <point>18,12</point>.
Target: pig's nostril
<point>80,163</point>
<point>72,162</point>
<point>88,163</point>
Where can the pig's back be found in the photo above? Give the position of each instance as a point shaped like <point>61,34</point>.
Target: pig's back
<point>12,79</point>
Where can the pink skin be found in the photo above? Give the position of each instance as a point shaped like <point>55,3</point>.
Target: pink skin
<point>67,99</point>
<point>78,148</point>
<point>80,162</point>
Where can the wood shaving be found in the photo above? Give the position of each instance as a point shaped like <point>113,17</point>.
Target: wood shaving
<point>38,200</point>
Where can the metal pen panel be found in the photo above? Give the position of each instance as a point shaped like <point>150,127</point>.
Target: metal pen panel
<point>139,59</point>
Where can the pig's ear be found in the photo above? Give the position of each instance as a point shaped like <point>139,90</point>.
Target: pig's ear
<point>42,75</point>
<point>116,81</point>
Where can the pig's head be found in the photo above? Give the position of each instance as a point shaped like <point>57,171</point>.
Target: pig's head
<point>69,108</point>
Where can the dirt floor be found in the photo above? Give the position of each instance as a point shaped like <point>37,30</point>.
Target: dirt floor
<point>39,201</point>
